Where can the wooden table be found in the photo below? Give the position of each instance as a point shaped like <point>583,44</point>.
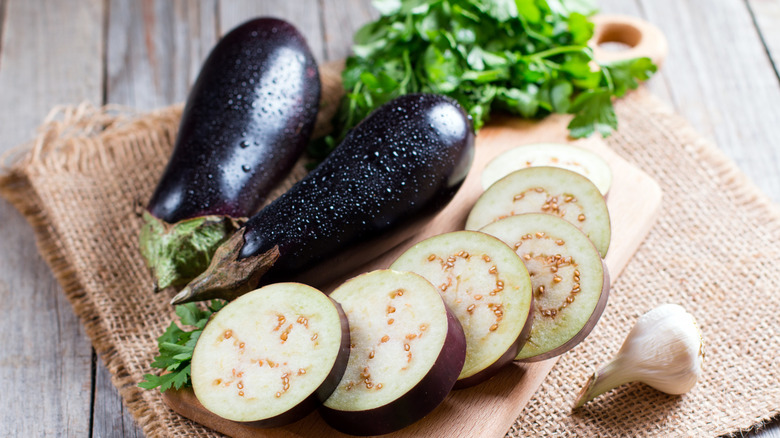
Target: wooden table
<point>721,74</point>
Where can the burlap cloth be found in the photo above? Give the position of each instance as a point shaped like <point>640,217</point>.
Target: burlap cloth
<point>714,250</point>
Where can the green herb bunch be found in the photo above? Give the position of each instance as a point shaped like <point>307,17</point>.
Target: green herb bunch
<point>525,57</point>
<point>176,346</point>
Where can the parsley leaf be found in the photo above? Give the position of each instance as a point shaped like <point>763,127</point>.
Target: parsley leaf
<point>625,74</point>
<point>526,57</point>
<point>594,112</point>
<point>176,345</point>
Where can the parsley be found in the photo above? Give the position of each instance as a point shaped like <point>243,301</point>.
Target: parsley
<point>526,57</point>
<point>176,346</point>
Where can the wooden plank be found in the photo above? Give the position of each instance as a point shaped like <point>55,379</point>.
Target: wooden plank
<point>155,50</point>
<point>2,22</point>
<point>766,16</point>
<point>305,15</point>
<point>721,79</point>
<point>110,417</point>
<point>340,24</point>
<point>50,54</point>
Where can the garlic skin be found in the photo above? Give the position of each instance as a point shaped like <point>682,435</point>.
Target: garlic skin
<point>664,350</point>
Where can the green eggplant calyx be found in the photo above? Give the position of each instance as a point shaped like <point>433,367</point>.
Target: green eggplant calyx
<point>177,253</point>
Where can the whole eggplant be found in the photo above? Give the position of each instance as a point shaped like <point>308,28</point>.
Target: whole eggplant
<point>407,158</point>
<point>247,119</point>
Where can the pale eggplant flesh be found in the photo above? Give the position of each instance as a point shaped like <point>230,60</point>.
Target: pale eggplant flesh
<point>271,357</point>
<point>486,285</point>
<point>570,280</point>
<point>426,395</point>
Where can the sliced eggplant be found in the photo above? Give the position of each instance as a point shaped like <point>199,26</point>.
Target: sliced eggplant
<point>550,190</point>
<point>271,356</point>
<point>565,156</point>
<point>485,284</point>
<point>406,354</point>
<point>570,281</point>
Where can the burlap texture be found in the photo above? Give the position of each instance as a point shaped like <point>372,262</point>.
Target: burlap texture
<point>714,250</point>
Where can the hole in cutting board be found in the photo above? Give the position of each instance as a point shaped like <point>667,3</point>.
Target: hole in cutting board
<point>617,37</point>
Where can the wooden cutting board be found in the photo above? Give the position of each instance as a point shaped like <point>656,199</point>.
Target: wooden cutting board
<point>488,409</point>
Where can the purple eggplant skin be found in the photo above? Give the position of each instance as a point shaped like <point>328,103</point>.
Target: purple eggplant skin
<point>247,120</point>
<point>409,156</point>
<point>418,402</point>
<point>404,161</point>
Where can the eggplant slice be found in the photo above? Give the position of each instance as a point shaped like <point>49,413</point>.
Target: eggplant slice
<point>406,354</point>
<point>485,284</point>
<point>565,156</point>
<point>550,190</point>
<point>570,281</point>
<point>271,356</point>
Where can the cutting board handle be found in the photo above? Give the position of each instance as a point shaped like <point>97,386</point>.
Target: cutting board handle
<point>643,38</point>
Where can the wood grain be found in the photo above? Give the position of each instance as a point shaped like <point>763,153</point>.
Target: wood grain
<point>47,58</point>
<point>110,417</point>
<point>154,53</point>
<point>489,409</point>
<point>656,84</point>
<point>155,50</point>
<point>722,81</point>
<point>2,23</point>
<point>340,24</point>
<point>766,16</point>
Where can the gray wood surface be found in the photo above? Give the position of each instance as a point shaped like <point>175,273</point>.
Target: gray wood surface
<point>341,23</point>
<point>721,74</point>
<point>48,57</point>
<point>766,15</point>
<point>153,55</point>
<point>722,80</point>
<point>155,50</point>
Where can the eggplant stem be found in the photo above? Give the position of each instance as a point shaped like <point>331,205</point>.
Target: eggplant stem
<point>228,276</point>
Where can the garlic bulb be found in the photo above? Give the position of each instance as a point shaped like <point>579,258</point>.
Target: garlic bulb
<point>664,350</point>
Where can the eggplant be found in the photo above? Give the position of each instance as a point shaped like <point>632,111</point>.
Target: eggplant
<point>551,190</point>
<point>566,156</point>
<point>248,118</point>
<point>407,350</point>
<point>569,279</point>
<point>406,159</point>
<point>271,357</point>
<point>487,287</point>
